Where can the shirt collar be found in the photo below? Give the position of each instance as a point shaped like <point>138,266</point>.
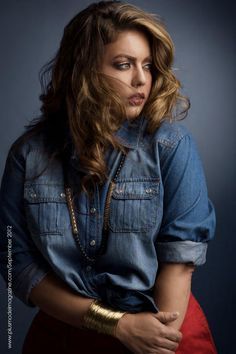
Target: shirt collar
<point>130,133</point>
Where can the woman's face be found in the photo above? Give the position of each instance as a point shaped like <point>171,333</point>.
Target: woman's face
<point>128,60</point>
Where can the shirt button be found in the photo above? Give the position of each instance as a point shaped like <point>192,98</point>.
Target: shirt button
<point>148,190</point>
<point>119,191</point>
<point>93,210</point>
<point>62,195</point>
<point>33,195</point>
<point>88,268</point>
<point>92,243</point>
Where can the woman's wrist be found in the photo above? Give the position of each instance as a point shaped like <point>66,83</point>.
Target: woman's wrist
<point>102,319</point>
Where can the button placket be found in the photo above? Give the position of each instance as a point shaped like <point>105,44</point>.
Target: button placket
<point>93,221</point>
<point>93,242</point>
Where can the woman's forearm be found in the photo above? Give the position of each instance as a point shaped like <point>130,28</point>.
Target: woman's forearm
<point>172,289</point>
<point>55,298</point>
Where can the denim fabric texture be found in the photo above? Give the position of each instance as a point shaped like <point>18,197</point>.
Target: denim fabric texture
<point>159,212</point>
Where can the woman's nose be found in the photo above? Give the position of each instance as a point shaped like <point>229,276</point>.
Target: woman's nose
<point>139,77</point>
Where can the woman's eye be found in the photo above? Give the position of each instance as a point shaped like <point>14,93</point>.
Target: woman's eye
<point>148,66</point>
<point>122,66</point>
<point>127,65</point>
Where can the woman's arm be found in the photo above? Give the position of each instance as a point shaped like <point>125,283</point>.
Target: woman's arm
<point>140,332</point>
<point>172,289</point>
<point>188,223</point>
<point>55,298</point>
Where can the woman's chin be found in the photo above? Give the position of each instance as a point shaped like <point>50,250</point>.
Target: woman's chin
<point>132,112</point>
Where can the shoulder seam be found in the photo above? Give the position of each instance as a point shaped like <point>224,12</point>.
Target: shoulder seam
<point>171,144</point>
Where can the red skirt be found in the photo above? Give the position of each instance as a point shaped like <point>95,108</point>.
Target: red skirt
<point>47,335</point>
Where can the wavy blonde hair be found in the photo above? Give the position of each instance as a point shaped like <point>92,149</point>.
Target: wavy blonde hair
<point>78,99</point>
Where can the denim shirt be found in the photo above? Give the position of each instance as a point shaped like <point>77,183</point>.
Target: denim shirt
<point>159,211</point>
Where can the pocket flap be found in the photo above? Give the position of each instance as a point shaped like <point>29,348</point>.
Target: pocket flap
<point>40,193</point>
<point>136,189</point>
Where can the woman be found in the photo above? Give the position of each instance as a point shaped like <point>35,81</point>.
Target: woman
<point>106,196</point>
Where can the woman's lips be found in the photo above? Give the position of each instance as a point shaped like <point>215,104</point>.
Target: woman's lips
<point>136,100</point>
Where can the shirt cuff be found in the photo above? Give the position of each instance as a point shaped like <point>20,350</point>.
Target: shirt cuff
<point>27,280</point>
<point>182,252</point>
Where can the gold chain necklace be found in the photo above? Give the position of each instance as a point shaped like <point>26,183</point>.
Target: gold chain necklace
<point>70,204</point>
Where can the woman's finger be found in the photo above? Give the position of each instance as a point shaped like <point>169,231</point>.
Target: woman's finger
<point>173,335</point>
<point>165,343</point>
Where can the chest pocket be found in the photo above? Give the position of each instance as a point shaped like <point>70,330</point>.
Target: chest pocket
<point>134,205</point>
<point>46,209</point>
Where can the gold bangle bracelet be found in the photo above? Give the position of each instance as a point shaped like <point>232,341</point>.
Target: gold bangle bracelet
<point>102,319</point>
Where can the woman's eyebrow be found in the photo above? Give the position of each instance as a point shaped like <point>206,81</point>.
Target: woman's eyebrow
<point>123,55</point>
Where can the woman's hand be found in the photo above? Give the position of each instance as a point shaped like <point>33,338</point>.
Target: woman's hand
<point>146,333</point>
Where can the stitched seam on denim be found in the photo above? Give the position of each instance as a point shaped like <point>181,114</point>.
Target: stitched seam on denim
<point>172,144</point>
<point>170,147</point>
<point>41,200</point>
<point>140,133</point>
<point>141,179</point>
<point>49,233</point>
<point>30,184</point>
<point>188,242</point>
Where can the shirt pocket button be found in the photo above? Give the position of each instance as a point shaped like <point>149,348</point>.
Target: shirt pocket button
<point>93,210</point>
<point>148,190</point>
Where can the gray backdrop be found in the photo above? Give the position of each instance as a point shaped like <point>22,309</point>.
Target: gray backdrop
<point>204,36</point>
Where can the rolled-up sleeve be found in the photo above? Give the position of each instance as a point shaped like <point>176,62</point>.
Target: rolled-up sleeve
<point>189,217</point>
<point>21,264</point>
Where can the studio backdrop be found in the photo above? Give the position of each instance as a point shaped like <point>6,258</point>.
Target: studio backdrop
<point>204,35</point>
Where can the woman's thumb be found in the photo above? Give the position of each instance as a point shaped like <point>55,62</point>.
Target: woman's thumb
<point>165,317</point>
